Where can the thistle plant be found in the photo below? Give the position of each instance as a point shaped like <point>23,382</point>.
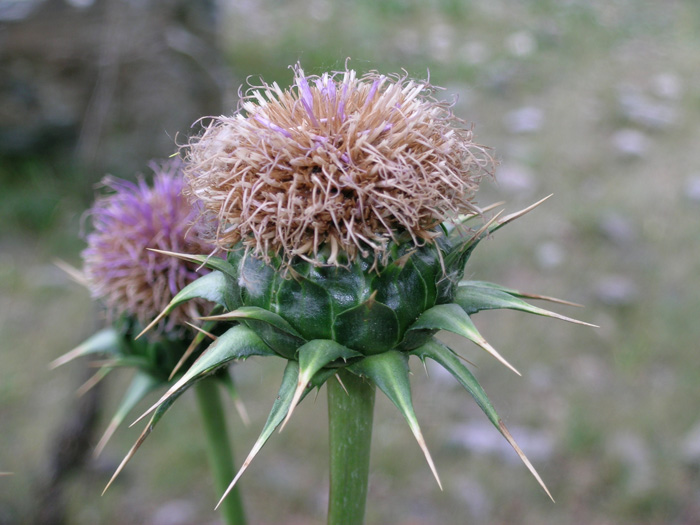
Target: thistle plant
<point>345,207</point>
<point>133,284</point>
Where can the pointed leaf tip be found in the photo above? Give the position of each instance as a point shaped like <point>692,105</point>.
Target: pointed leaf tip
<point>105,341</point>
<point>447,358</point>
<point>473,298</point>
<point>313,356</point>
<point>238,342</point>
<point>209,287</point>
<point>141,385</point>
<point>389,371</point>
<point>279,410</point>
<point>506,434</point>
<point>453,318</point>
<point>72,272</point>
<point>510,218</point>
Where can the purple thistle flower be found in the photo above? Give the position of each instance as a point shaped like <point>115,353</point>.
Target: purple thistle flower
<point>127,277</point>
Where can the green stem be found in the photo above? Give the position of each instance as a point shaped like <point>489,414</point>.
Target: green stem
<point>350,434</point>
<point>219,449</point>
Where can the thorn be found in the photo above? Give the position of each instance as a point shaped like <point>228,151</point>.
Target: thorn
<point>549,299</point>
<point>517,214</point>
<point>372,299</point>
<point>129,455</point>
<point>483,229</point>
<point>341,384</point>
<point>492,206</point>
<point>111,428</point>
<point>228,316</point>
<point>242,412</point>
<point>65,358</point>
<point>185,356</point>
<point>183,256</point>
<point>90,383</point>
<point>254,452</point>
<point>154,322</point>
<point>465,359</point>
<point>574,321</point>
<point>295,275</point>
<point>483,343</point>
<point>401,261</point>
<point>421,443</point>
<point>73,272</point>
<point>301,386</point>
<point>103,363</point>
<point>202,330</point>
<point>509,438</point>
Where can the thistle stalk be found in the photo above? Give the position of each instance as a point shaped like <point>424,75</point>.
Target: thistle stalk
<point>350,416</point>
<point>219,449</point>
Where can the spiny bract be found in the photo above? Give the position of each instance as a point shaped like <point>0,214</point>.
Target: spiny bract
<point>322,318</point>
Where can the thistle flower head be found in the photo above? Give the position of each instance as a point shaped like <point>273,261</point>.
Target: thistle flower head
<point>336,159</point>
<point>341,182</point>
<point>120,269</point>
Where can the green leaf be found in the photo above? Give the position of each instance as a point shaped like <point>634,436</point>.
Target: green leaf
<point>369,328</point>
<point>202,332</point>
<point>212,287</point>
<point>347,286</point>
<point>272,328</point>
<point>238,342</point>
<point>313,356</point>
<point>474,298</point>
<point>257,281</point>
<point>389,371</point>
<point>306,305</point>
<point>106,341</point>
<point>516,293</point>
<point>141,385</point>
<point>401,287</point>
<point>449,360</point>
<point>279,410</point>
<point>452,317</point>
<point>430,270</point>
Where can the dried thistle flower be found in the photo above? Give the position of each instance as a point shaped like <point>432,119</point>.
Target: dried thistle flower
<point>341,184</point>
<point>120,269</point>
<point>336,159</point>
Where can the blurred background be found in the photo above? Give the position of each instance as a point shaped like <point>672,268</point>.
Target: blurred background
<point>595,101</point>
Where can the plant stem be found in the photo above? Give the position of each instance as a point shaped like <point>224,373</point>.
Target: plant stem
<point>350,434</point>
<point>219,449</point>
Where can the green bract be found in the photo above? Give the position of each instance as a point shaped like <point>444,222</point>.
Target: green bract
<point>368,319</point>
<point>158,362</point>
